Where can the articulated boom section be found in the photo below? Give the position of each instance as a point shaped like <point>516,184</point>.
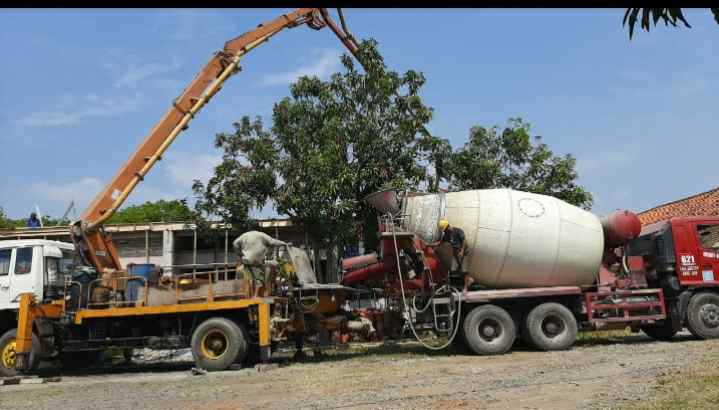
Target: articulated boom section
<point>95,246</point>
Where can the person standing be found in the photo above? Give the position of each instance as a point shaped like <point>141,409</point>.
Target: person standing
<point>33,221</point>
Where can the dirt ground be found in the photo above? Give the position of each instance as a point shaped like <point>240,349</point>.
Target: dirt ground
<point>595,374</point>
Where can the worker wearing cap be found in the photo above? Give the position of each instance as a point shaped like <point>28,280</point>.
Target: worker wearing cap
<point>455,237</point>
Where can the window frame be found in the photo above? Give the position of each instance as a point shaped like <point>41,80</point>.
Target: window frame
<point>702,226</point>
<point>17,255</point>
<point>9,264</point>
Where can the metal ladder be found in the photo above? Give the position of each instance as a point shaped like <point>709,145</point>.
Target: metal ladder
<point>443,313</point>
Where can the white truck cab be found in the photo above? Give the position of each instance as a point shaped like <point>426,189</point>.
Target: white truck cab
<point>32,265</point>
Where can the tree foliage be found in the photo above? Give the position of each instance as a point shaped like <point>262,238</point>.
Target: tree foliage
<point>158,211</point>
<point>331,144</point>
<point>9,223</point>
<point>5,222</point>
<point>509,159</point>
<point>245,179</point>
<point>669,16</point>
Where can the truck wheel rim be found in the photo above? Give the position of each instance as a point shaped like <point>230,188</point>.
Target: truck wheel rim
<point>709,314</point>
<point>552,326</point>
<point>8,355</point>
<point>489,329</point>
<point>214,344</point>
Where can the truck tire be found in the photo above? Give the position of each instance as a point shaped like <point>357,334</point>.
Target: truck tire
<point>217,343</point>
<point>252,357</point>
<point>550,326</point>
<point>489,329</point>
<point>7,353</point>
<point>703,315</point>
<point>80,360</point>
<point>665,331</point>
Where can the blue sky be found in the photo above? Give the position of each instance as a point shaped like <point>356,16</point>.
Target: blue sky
<point>79,89</point>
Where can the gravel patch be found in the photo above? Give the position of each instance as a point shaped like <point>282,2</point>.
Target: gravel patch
<point>604,376</point>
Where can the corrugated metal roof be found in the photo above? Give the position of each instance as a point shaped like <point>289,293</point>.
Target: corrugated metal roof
<point>133,227</point>
<point>703,204</point>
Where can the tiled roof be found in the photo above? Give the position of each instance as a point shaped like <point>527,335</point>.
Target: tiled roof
<point>704,204</point>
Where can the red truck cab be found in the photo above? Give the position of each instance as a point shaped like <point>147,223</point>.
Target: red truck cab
<point>681,256</point>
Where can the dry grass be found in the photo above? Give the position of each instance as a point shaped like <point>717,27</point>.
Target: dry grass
<point>602,337</point>
<point>696,388</point>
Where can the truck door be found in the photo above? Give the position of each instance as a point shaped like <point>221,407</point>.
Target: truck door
<point>708,236</point>
<point>688,253</point>
<point>5,259</point>
<point>25,272</point>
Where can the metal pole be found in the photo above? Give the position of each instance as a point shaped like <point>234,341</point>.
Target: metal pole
<point>194,248</point>
<point>226,246</point>
<point>147,246</point>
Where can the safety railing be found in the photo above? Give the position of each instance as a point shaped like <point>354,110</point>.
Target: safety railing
<point>214,279</point>
<point>222,281</point>
<point>116,292</point>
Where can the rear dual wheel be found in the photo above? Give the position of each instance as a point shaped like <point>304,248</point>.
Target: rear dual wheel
<point>488,330</point>
<point>217,343</point>
<point>551,326</point>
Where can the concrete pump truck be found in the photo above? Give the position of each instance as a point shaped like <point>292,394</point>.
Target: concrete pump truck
<point>58,315</point>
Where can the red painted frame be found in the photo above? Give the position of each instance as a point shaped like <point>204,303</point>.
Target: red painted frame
<point>625,310</point>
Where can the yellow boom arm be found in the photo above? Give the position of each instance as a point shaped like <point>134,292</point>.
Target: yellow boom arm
<point>94,246</point>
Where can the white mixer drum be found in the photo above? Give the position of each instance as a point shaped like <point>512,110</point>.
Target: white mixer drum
<point>514,238</point>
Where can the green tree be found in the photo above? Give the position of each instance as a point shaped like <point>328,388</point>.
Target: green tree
<point>158,211</point>
<point>244,180</point>
<point>438,157</point>
<point>5,222</point>
<point>510,159</point>
<point>669,16</point>
<point>331,144</point>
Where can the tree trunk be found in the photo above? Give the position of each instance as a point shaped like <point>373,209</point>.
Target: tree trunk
<point>316,261</point>
<point>331,253</point>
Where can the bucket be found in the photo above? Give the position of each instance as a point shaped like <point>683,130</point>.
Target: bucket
<point>386,201</point>
<point>148,271</point>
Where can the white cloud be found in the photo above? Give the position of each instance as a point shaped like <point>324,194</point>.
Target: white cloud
<point>135,73</point>
<point>128,73</point>
<point>81,191</point>
<point>48,119</point>
<point>73,110</point>
<point>184,168</point>
<point>327,61</point>
<point>128,70</point>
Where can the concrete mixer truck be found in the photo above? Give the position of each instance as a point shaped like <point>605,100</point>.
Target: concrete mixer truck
<point>540,269</point>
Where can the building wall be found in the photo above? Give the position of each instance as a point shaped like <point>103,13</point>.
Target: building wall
<point>167,244</point>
